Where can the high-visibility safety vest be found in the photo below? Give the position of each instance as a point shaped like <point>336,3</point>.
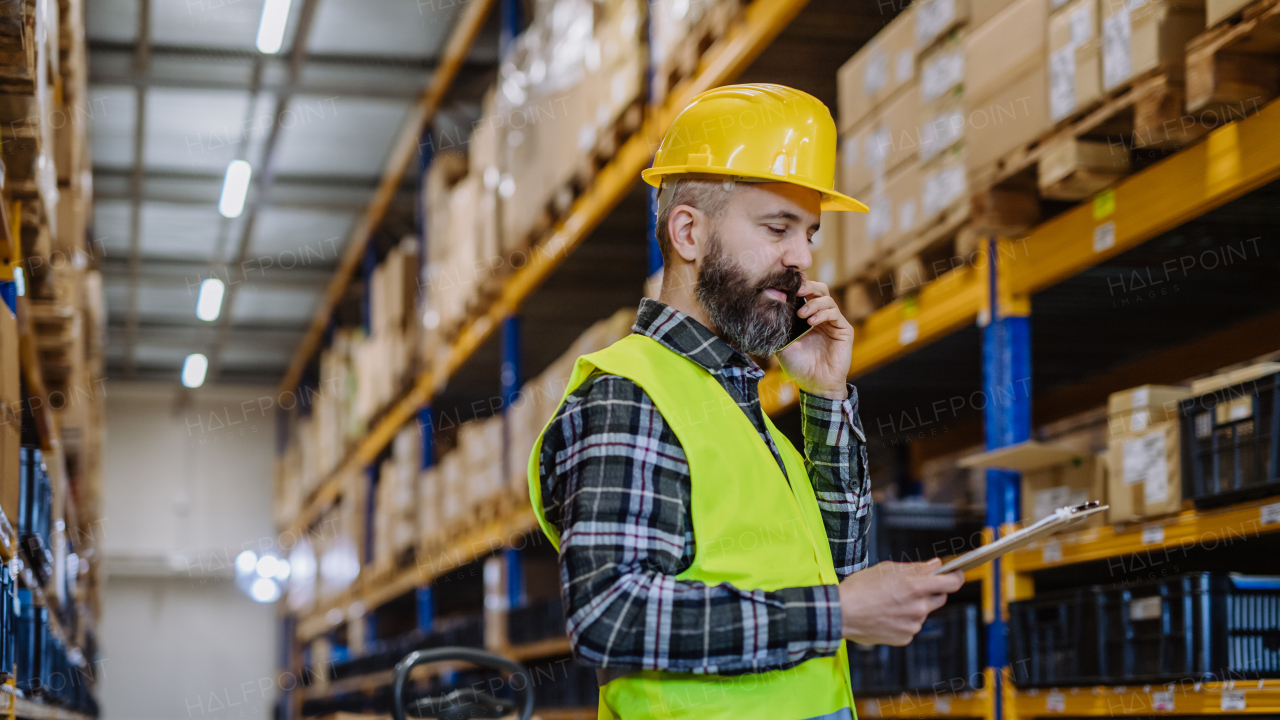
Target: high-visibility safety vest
<point>754,529</point>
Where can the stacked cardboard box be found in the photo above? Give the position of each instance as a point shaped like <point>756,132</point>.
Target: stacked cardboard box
<point>449,275</point>
<point>383,358</point>
<point>567,80</point>
<point>540,396</point>
<point>10,411</point>
<point>430,524</point>
<point>1006,85</point>
<point>1144,476</point>
<point>333,402</point>
<point>395,508</point>
<point>481,448</point>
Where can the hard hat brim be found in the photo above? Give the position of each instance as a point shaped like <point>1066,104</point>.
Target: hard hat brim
<point>831,201</point>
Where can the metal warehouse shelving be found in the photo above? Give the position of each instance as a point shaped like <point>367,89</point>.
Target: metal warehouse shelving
<point>1228,163</point>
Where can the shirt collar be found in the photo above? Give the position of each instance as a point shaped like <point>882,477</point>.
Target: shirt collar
<point>685,336</point>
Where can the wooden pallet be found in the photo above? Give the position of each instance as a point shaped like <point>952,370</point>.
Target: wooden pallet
<point>1235,66</point>
<point>1141,122</point>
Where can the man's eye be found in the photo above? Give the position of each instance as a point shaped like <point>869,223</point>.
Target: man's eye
<point>779,231</point>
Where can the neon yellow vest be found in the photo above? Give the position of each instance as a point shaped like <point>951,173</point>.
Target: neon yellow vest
<point>754,530</point>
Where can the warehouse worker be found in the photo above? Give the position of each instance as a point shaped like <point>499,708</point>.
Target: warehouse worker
<point>710,570</point>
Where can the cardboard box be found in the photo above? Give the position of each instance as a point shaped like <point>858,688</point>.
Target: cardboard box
<point>934,18</point>
<point>895,213</point>
<point>827,249</point>
<point>1235,377</point>
<point>885,140</point>
<point>1075,58</point>
<point>1016,115</point>
<point>10,386</point>
<point>1144,473</point>
<point>1134,410</point>
<point>10,463</point>
<point>981,11</point>
<point>1006,49</point>
<point>1218,10</point>
<point>877,71</point>
<point>1138,37</point>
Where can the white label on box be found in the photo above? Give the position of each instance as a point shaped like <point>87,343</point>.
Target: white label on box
<point>943,187</point>
<point>1104,237</point>
<point>1116,63</point>
<point>1055,4</point>
<point>1055,702</point>
<point>879,143</point>
<point>1081,25</point>
<point>1144,457</point>
<point>1147,608</point>
<point>906,214</point>
<point>1140,419</point>
<point>850,154</point>
<point>1270,514</point>
<point>871,708</point>
<point>876,74</point>
<point>827,272</point>
<point>933,17</point>
<point>940,133</point>
<point>1153,535</point>
<point>1141,397</point>
<point>1062,82</point>
<point>1162,701</point>
<point>943,72</point>
<point>879,217</point>
<point>904,66</point>
<point>942,704</point>
<point>1232,700</point>
<point>908,332</point>
<point>1052,553</point>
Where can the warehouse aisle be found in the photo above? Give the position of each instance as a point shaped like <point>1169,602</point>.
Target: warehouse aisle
<point>293,287</point>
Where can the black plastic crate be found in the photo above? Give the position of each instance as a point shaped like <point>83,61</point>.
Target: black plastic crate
<point>948,655</point>
<point>536,621</point>
<point>1198,626</point>
<point>915,530</point>
<point>877,669</point>
<point>1231,443</point>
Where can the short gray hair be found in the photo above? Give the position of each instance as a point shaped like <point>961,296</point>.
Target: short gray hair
<point>709,196</point>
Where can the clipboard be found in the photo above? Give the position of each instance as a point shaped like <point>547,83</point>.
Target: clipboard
<point>1059,520</point>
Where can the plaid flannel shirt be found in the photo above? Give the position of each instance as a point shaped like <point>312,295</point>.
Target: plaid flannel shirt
<point>616,483</point>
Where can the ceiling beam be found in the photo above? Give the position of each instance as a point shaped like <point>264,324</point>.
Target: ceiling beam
<point>158,271</point>
<point>413,63</point>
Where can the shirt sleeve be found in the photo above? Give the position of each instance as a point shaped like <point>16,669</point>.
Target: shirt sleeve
<point>835,448</point>
<point>618,481</point>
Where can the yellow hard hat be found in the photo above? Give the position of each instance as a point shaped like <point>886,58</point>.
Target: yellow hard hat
<point>756,133</point>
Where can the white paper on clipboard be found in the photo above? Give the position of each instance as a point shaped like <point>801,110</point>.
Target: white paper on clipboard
<point>1050,524</point>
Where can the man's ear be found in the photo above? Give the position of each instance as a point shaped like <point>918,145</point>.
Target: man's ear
<point>686,228</point>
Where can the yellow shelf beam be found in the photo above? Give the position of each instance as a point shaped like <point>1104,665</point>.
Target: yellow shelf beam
<point>1158,541</point>
<point>930,704</point>
<point>938,309</point>
<point>760,24</point>
<point>1231,161</point>
<point>401,157</point>
<point>1252,697</point>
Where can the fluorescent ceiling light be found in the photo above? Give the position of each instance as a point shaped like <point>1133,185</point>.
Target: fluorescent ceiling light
<point>193,370</point>
<point>209,301</point>
<point>234,187</point>
<point>275,15</point>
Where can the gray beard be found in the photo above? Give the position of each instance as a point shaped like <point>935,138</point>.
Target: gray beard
<point>747,319</point>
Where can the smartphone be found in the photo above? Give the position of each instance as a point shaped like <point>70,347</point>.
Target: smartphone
<point>799,325</point>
